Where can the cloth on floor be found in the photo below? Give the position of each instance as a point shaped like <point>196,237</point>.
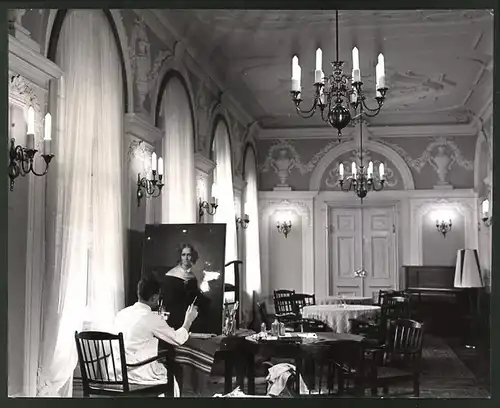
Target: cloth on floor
<point>278,377</point>
<point>236,393</point>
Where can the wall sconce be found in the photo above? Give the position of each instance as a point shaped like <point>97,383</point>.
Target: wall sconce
<point>485,212</point>
<point>243,221</point>
<point>22,158</point>
<point>205,207</point>
<point>284,227</point>
<point>150,188</point>
<point>443,227</point>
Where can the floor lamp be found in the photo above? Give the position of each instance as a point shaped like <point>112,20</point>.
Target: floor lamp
<point>468,276</point>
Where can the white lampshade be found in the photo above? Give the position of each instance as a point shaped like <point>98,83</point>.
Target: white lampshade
<point>468,271</point>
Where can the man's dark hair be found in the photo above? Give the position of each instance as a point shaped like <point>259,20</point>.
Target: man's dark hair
<point>194,253</point>
<point>147,287</point>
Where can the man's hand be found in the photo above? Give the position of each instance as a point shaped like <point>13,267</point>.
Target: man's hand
<point>191,315</point>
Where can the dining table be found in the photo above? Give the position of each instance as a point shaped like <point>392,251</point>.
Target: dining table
<point>348,299</point>
<point>338,316</point>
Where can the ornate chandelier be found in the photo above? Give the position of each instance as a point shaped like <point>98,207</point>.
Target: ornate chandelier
<point>333,96</point>
<point>363,180</point>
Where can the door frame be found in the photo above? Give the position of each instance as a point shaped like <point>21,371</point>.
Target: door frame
<point>393,204</point>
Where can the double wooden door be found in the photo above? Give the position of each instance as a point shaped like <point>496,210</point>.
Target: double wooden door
<point>362,239</point>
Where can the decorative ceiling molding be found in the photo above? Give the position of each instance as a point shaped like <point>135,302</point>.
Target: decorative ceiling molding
<point>206,73</point>
<point>376,131</point>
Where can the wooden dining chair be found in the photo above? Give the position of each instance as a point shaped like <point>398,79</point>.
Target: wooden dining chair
<point>280,293</point>
<point>304,299</point>
<point>333,368</point>
<point>400,360</point>
<point>103,367</point>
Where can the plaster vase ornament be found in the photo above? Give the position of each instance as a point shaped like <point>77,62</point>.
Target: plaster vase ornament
<point>282,166</point>
<point>442,164</point>
<point>140,56</point>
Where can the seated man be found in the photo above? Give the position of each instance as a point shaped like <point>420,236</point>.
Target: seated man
<point>142,326</point>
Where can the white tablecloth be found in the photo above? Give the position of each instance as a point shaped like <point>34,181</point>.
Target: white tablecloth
<point>336,316</point>
<point>352,300</point>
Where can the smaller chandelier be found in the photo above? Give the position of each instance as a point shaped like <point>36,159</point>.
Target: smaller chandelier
<point>363,180</point>
<point>150,188</point>
<point>22,158</point>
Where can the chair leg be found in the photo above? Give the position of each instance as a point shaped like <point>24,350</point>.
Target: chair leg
<point>416,386</point>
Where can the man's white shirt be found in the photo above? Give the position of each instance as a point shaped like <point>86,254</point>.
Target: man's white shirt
<point>141,328</point>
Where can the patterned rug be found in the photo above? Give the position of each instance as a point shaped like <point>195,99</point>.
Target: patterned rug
<point>444,375</point>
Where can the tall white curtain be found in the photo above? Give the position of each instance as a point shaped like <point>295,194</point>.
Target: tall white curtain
<point>82,213</point>
<point>223,181</point>
<point>252,242</point>
<point>179,196</point>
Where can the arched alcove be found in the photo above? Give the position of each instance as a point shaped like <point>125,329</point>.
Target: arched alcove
<point>54,25</point>
<point>174,115</point>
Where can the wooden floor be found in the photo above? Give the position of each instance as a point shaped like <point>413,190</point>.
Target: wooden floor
<point>449,371</point>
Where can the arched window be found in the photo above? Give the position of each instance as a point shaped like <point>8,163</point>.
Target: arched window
<point>85,232</point>
<point>179,197</point>
<point>252,279</point>
<point>222,189</point>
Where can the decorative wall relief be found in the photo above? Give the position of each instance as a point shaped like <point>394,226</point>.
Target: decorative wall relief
<point>441,154</point>
<point>139,157</point>
<point>202,103</point>
<point>140,59</point>
<point>283,158</point>
<point>25,94</point>
<point>442,164</point>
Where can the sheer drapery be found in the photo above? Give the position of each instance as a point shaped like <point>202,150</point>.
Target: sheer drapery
<point>223,191</point>
<point>179,195</point>
<point>87,145</point>
<point>252,243</point>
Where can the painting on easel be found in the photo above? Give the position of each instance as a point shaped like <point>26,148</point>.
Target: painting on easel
<point>188,261</point>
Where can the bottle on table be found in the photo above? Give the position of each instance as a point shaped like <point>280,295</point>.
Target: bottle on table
<point>275,328</point>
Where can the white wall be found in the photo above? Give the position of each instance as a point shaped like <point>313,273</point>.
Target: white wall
<point>303,259</point>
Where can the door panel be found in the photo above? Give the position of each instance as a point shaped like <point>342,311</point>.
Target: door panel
<point>345,246</point>
<point>362,237</point>
<point>379,249</point>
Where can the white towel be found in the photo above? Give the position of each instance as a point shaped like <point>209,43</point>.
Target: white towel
<point>278,377</point>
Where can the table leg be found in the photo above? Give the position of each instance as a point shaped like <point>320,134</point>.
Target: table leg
<point>228,374</point>
<point>250,369</point>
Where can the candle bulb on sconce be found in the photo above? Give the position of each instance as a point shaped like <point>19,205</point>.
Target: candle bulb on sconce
<point>151,188</point>
<point>485,212</point>
<point>47,135</point>
<point>22,159</point>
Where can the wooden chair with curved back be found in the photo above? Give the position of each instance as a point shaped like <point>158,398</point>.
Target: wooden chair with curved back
<point>103,367</point>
